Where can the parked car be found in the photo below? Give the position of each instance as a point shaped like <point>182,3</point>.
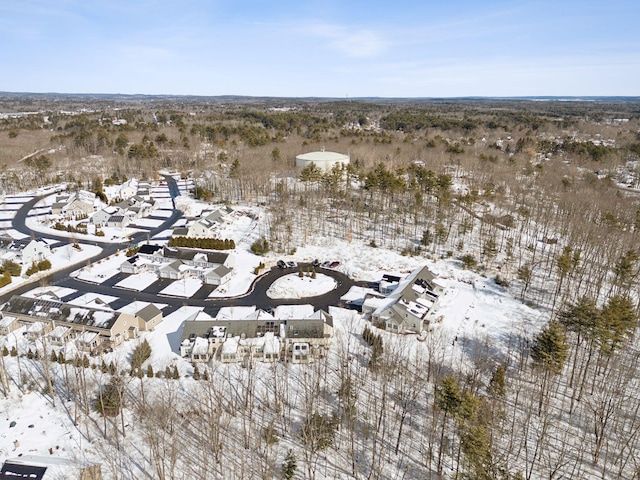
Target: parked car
<point>334,264</point>
<point>325,264</point>
<point>292,264</point>
<point>316,263</point>
<point>281,264</point>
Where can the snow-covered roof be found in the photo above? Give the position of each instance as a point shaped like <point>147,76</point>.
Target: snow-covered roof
<point>200,346</point>
<point>86,337</point>
<point>235,313</point>
<point>230,345</point>
<point>59,332</point>
<point>285,312</point>
<point>271,343</point>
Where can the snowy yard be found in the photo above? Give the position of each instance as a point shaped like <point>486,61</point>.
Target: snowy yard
<point>292,286</point>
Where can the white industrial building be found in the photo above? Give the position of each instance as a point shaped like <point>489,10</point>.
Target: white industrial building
<point>323,160</point>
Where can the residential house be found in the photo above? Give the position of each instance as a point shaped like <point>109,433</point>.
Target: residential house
<point>209,226</point>
<point>118,221</point>
<point>412,304</point>
<point>101,217</point>
<point>37,329</point>
<point>148,317</point>
<point>78,205</point>
<point>213,268</point>
<point>111,328</point>
<point>248,333</point>
<point>24,251</point>
<point>217,276</point>
<point>128,189</point>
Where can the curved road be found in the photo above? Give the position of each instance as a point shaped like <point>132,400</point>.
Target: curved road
<point>256,296</point>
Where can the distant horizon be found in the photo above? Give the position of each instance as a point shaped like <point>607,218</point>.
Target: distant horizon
<point>317,97</point>
<point>329,49</point>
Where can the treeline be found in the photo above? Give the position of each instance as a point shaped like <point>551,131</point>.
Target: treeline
<point>205,243</point>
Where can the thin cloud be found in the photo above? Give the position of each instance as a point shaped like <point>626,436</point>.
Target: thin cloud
<point>357,43</point>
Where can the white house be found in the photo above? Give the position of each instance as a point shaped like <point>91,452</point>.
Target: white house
<point>128,189</point>
<point>209,226</point>
<point>412,304</point>
<point>24,251</point>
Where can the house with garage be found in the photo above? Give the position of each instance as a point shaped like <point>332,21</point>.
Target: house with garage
<point>79,204</point>
<point>101,218</point>
<point>212,268</point>
<point>146,317</point>
<point>24,251</point>
<point>210,225</point>
<point>412,304</point>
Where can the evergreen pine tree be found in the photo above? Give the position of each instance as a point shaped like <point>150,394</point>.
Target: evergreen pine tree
<point>289,466</point>
<point>550,348</point>
<point>496,384</point>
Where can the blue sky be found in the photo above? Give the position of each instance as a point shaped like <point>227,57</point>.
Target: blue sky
<point>322,48</point>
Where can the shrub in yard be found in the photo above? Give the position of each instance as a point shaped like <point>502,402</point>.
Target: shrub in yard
<point>44,265</point>
<point>260,246</point>
<point>31,270</point>
<point>12,267</point>
<point>5,279</point>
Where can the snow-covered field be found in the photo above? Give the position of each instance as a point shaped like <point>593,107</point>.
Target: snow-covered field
<point>294,286</point>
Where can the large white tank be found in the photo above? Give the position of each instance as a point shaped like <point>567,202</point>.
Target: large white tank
<point>323,160</point>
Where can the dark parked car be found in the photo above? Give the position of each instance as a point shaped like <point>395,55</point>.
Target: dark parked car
<point>334,264</point>
<point>316,263</point>
<point>281,264</point>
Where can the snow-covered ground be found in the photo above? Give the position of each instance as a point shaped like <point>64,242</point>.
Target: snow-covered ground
<point>294,286</point>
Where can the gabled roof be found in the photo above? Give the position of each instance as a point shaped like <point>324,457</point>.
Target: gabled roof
<point>180,232</point>
<point>148,249</point>
<point>190,254</point>
<point>149,312</point>
<point>220,271</point>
